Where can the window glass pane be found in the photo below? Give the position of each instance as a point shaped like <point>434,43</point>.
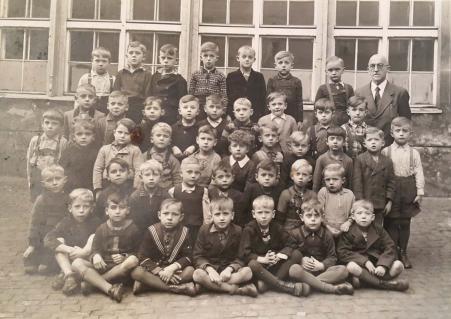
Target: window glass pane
<point>40,8</point>
<point>302,13</point>
<point>421,88</point>
<point>400,78</point>
<point>76,70</point>
<point>169,10</point>
<point>275,12</point>
<point>366,48</point>
<point>345,49</point>
<point>346,13</point>
<point>35,79</point>
<point>302,50</point>
<point>16,8</point>
<point>399,13</point>
<point>214,11</point>
<point>81,45</point>
<point>39,44</point>
<point>143,9</point>
<point>83,9</point>
<point>13,44</point>
<point>147,40</point>
<point>220,41</point>
<point>398,55</point>
<point>241,11</point>
<point>234,45</point>
<point>270,46</point>
<point>369,13</point>
<point>110,41</point>
<point>423,13</point>
<point>11,75</point>
<point>110,9</point>
<point>423,55</point>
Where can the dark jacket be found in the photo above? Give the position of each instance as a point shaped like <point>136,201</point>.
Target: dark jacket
<point>379,248</point>
<point>373,181</point>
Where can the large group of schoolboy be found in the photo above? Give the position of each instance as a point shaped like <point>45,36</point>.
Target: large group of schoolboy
<point>147,180</point>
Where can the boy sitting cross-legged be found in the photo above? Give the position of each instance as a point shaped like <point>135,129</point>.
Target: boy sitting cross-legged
<point>165,254</point>
<point>317,246</point>
<point>369,252</point>
<point>216,253</point>
<point>146,200</point>
<point>113,248</point>
<point>72,238</point>
<point>264,248</point>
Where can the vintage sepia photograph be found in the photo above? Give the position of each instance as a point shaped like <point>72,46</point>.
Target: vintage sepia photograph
<point>225,159</point>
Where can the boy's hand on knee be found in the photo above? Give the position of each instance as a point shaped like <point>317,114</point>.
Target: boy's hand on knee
<point>214,276</point>
<point>226,274</point>
<point>166,274</point>
<point>98,262</point>
<point>190,150</point>
<point>118,258</point>
<point>418,199</point>
<point>369,265</point>
<point>380,271</point>
<point>28,251</point>
<point>387,208</point>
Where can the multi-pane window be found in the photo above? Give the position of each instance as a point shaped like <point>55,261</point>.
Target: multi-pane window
<point>34,9</point>
<point>288,12</point>
<point>412,13</point>
<point>302,49</point>
<point>357,13</point>
<point>23,59</point>
<point>155,10</point>
<point>227,11</point>
<point>96,9</point>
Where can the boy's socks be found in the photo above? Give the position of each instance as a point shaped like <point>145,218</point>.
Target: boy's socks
<point>114,273</point>
<point>304,276</point>
<point>94,278</point>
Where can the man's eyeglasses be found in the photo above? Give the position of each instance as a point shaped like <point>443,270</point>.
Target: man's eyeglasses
<point>379,66</point>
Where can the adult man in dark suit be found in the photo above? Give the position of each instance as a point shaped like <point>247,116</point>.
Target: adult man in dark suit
<point>385,100</point>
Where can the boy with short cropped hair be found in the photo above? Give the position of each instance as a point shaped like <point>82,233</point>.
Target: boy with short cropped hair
<point>246,82</point>
<point>194,198</point>
<point>117,108</point>
<point>79,157</point>
<point>373,177</point>
<point>264,248</point>
<point>134,80</point>
<point>335,139</point>
<point>184,132</point>
<point>161,152</point>
<point>113,251</point>
<point>99,77</point>
<point>292,198</point>
<point>266,175</point>
<point>153,113</point>
<point>72,238</point>
<point>243,167</point>
<point>356,126</point>
<point>298,144</point>
<point>208,80</point>
<point>208,159</point>
<point>242,110</point>
<point>85,109</point>
<point>290,85</point>
<point>270,150</point>
<point>324,111</point>
<point>216,253</point>
<point>409,185</point>
<point>167,84</point>
<point>45,149</point>
<point>369,252</point>
<point>48,209</point>
<point>286,124</point>
<point>216,118</point>
<point>165,254</point>
<point>317,246</point>
<point>336,91</point>
<point>146,200</point>
<point>336,200</point>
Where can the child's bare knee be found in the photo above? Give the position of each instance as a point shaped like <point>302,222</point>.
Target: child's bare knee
<point>247,271</point>
<point>198,274</point>
<point>396,268</point>
<point>353,268</point>
<point>130,263</point>
<point>295,270</point>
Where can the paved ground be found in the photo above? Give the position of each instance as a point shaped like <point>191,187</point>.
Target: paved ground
<point>24,296</point>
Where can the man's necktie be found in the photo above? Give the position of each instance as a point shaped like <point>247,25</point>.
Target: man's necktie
<point>377,97</point>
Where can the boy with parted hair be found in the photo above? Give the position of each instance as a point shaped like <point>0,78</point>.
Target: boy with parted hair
<point>117,107</point>
<point>356,127</point>
<point>134,80</point>
<point>290,85</point>
<point>45,149</point>
<point>208,80</point>
<point>216,253</point>
<point>99,77</point>
<point>270,150</point>
<point>153,113</point>
<point>165,254</point>
<point>167,84</point>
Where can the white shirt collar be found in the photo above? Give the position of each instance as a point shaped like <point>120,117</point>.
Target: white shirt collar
<point>381,87</point>
<point>214,123</point>
<point>240,163</point>
<point>187,188</point>
<point>283,117</point>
